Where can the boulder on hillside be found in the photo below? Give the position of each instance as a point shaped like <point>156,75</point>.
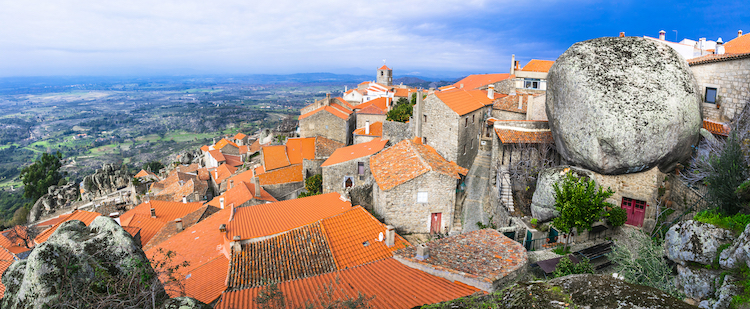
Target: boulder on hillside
<point>543,201</point>
<point>184,303</point>
<point>694,241</point>
<point>697,283</point>
<point>738,253</point>
<point>108,179</point>
<point>623,105</point>
<point>56,198</point>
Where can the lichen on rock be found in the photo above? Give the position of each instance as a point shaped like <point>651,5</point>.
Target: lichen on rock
<point>695,241</point>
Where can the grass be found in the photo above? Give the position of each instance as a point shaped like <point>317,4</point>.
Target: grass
<point>735,223</point>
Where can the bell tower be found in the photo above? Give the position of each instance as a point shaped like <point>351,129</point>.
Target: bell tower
<point>385,75</point>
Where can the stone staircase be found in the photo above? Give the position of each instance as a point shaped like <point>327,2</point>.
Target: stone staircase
<point>471,209</point>
<point>506,192</point>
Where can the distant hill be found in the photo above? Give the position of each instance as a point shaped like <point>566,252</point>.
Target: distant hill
<point>421,82</point>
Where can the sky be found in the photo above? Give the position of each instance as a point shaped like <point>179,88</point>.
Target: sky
<point>421,38</point>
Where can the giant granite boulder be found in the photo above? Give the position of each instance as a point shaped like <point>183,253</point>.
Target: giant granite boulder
<point>738,253</point>
<point>623,105</point>
<point>543,201</point>
<point>106,180</point>
<point>56,198</point>
<point>696,282</point>
<point>694,241</point>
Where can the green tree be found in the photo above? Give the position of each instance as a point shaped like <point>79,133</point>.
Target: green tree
<point>41,174</point>
<point>566,267</point>
<point>580,202</point>
<point>313,185</point>
<point>727,172</point>
<point>401,112</point>
<point>153,166</point>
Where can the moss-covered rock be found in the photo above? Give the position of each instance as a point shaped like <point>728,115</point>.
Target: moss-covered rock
<point>184,303</point>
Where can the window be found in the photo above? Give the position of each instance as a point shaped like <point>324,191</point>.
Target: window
<point>531,83</point>
<point>361,168</point>
<point>464,148</point>
<point>472,144</point>
<point>472,119</point>
<point>710,95</point>
<point>425,118</point>
<point>348,182</point>
<point>466,123</point>
<point>424,140</point>
<point>421,197</point>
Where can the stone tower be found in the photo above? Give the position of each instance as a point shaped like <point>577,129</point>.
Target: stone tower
<point>385,76</point>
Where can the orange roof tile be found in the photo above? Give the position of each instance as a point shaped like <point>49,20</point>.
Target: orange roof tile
<point>144,173</point>
<point>300,148</point>
<point>376,129</point>
<point>81,215</point>
<point>6,258</point>
<point>244,149</point>
<point>405,92</point>
<point>354,237</point>
<point>384,68</point>
<point>149,226</point>
<point>476,81</point>
<point>179,189</point>
<point>289,174</point>
<point>371,110</point>
<point>165,211</point>
<point>53,221</point>
<point>16,234</point>
<point>299,253</point>
<point>246,176</point>
<point>510,136</point>
<point>206,282</point>
<point>341,108</point>
<point>270,219</point>
<point>233,160</point>
<point>170,228</point>
<point>132,230</point>
<point>222,172</point>
<point>510,102</point>
<point>381,103</point>
<point>254,147</point>
<point>239,136</point>
<point>239,194</point>
<point>393,284</point>
<point>536,65</point>
<point>717,128</point>
<point>203,174</point>
<point>462,101</point>
<point>223,143</point>
<point>355,151</point>
<point>324,147</point>
<point>274,157</point>
<point>216,154</point>
<point>192,168</point>
<point>717,58</point>
<point>334,111</point>
<point>738,45</point>
<point>205,148</point>
<point>408,160</point>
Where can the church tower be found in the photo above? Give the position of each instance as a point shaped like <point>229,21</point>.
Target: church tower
<point>385,76</point>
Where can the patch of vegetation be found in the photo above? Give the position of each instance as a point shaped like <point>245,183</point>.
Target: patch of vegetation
<point>728,171</point>
<point>744,283</point>
<point>402,112</point>
<point>561,250</point>
<point>566,267</point>
<point>153,166</point>
<point>736,223</point>
<point>40,175</point>
<point>490,225</point>
<point>580,203</point>
<point>313,185</point>
<point>617,216</point>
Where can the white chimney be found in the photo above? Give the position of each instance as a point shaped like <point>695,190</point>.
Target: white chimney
<point>390,235</point>
<point>346,88</point>
<point>513,64</point>
<point>422,252</point>
<point>184,199</point>
<point>719,47</point>
<point>115,216</point>
<point>739,33</point>
<point>216,174</point>
<point>461,86</point>
<point>662,35</point>
<point>178,222</point>
<point>491,92</point>
<point>520,102</point>
<point>702,44</point>
<point>221,202</point>
<point>367,127</point>
<point>236,246</point>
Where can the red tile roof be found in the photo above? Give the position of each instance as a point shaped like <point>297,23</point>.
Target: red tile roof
<point>462,101</point>
<point>170,228</point>
<point>408,160</point>
<point>538,66</point>
<point>384,68</point>
<point>148,226</point>
<point>717,128</point>
<point>717,58</point>
<point>376,129</point>
<point>381,103</point>
<point>205,148</point>
<point>234,160</point>
<point>405,92</point>
<point>738,45</point>
<point>165,211</point>
<point>192,168</point>
<point>223,143</point>
<point>356,151</point>
<point>206,282</point>
<point>371,109</point>
<point>177,190</point>
<point>274,157</point>
<point>511,136</point>
<point>239,136</point>
<point>216,154</point>
<point>222,172</point>
<point>344,103</point>
<point>246,176</point>
<point>300,148</point>
<point>510,102</point>
<point>393,284</point>
<point>334,111</point>
<point>324,147</point>
<point>289,174</point>
<point>239,194</point>
<point>6,258</point>
<point>255,146</point>
<point>53,221</point>
<point>81,215</point>
<point>144,173</point>
<point>476,81</point>
<point>270,219</point>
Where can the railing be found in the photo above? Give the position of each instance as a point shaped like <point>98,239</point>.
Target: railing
<point>540,244</point>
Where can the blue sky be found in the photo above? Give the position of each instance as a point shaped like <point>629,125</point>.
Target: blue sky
<point>431,38</point>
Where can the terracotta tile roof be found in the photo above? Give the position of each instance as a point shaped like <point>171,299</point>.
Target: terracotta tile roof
<point>292,173</point>
<point>511,136</point>
<point>324,147</point>
<point>717,58</point>
<point>233,160</point>
<point>239,194</point>
<point>16,234</point>
<point>354,238</point>
<point>344,103</point>
<point>384,68</point>
<point>381,103</point>
<point>536,65</point>
<point>300,148</point>
<point>404,92</point>
<point>132,230</point>
<point>738,45</point>
<point>476,81</point>
<point>224,171</point>
<point>376,129</point>
<point>144,173</point>
<point>334,111</point>
<point>239,136</point>
<point>6,258</point>
<point>205,148</point>
<point>203,174</point>
<point>259,170</point>
<point>223,143</point>
<point>299,253</point>
<point>206,282</point>
<point>216,154</point>
<point>246,176</point>
<point>341,108</point>
<point>717,128</point>
<point>177,190</point>
<point>165,211</point>
<point>12,242</point>
<point>192,168</point>
<point>254,147</point>
<point>462,101</point>
<point>53,221</point>
<point>393,284</point>
<point>148,226</point>
<point>371,110</point>
<point>408,160</point>
<point>274,157</point>
<point>81,215</point>
<point>510,102</point>
<point>356,151</point>
<point>244,149</point>
<point>376,87</point>
<point>270,219</point>
<point>170,228</point>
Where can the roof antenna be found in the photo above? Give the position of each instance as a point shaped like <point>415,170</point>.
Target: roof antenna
<point>675,35</point>
<point>383,61</point>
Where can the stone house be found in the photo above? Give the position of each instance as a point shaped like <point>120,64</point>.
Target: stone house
<point>724,82</point>
<point>452,122</point>
<point>371,114</point>
<point>240,139</point>
<point>218,177</point>
<point>326,101</point>
<point>331,120</point>
<point>416,187</point>
<point>349,167</point>
<point>519,106</point>
<point>532,78</point>
<point>502,82</point>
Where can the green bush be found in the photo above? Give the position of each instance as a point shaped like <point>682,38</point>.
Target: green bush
<point>566,267</point>
<point>727,173</point>
<point>736,223</point>
<point>580,203</point>
<point>401,112</point>
<point>617,216</point>
<point>313,185</point>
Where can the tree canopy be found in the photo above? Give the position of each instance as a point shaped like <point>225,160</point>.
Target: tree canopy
<point>580,202</point>
<point>401,112</point>
<point>153,166</point>
<point>727,172</point>
<point>41,174</point>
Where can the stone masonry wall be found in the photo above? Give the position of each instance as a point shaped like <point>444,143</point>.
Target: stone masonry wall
<point>469,131</point>
<point>311,167</point>
<point>362,119</point>
<point>732,80</point>
<point>285,191</point>
<point>399,206</point>
<point>441,128</point>
<point>506,115</point>
<point>684,197</point>
<point>324,124</point>
<point>335,175</point>
<point>642,186</point>
<point>395,131</point>
<point>359,139</point>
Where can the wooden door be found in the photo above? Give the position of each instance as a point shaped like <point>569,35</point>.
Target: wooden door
<point>435,223</point>
<point>635,209</point>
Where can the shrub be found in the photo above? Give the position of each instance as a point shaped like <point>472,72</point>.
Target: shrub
<point>726,174</point>
<point>566,267</point>
<point>401,112</point>
<point>736,223</point>
<point>580,202</point>
<point>534,221</point>
<point>313,185</point>
<point>617,216</point>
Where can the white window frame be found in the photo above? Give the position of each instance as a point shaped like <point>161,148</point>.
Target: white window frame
<point>423,197</point>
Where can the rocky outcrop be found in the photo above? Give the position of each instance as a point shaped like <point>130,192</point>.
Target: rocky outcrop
<point>190,157</point>
<point>694,241</point>
<point>724,294</point>
<point>738,253</point>
<point>698,283</point>
<point>106,180</point>
<point>184,303</point>
<point>623,105</point>
<point>543,201</point>
<point>56,198</point>
<point>71,258</point>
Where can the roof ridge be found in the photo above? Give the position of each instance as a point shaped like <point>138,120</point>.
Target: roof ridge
<point>413,147</point>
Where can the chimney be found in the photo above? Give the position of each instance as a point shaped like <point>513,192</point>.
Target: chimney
<point>520,102</point>
<point>221,202</point>
<point>231,183</point>
<point>216,174</point>
<point>178,222</point>
<point>739,33</point>
<point>622,34</point>
<point>184,199</point>
<point>491,92</point>
<point>115,216</point>
<point>223,228</point>
<point>417,114</point>
<point>236,246</point>
<point>256,183</point>
<point>182,182</point>
<point>662,35</point>
<point>719,47</point>
<point>346,88</point>
<point>328,99</point>
<point>422,252</point>
<point>390,236</point>
<point>461,86</point>
<point>513,64</point>
<point>153,213</point>
<point>367,127</point>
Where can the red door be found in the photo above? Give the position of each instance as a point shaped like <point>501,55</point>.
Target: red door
<point>435,223</point>
<point>636,211</point>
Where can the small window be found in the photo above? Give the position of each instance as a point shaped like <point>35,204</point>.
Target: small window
<point>464,148</point>
<point>472,144</point>
<point>710,95</point>
<point>348,183</point>
<point>422,197</point>
<point>361,168</point>
<point>425,118</point>
<point>466,123</point>
<point>424,140</point>
<point>472,119</point>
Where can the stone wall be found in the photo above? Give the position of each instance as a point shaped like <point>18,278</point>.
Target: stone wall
<point>441,128</point>
<point>285,191</point>
<point>399,206</point>
<point>311,167</point>
<point>642,186</point>
<point>506,115</point>
<point>505,86</point>
<point>732,80</point>
<point>469,132</point>
<point>334,176</point>
<point>359,139</point>
<point>536,108</point>
<point>395,131</point>
<point>362,120</point>
<point>325,124</point>
<point>683,197</point>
